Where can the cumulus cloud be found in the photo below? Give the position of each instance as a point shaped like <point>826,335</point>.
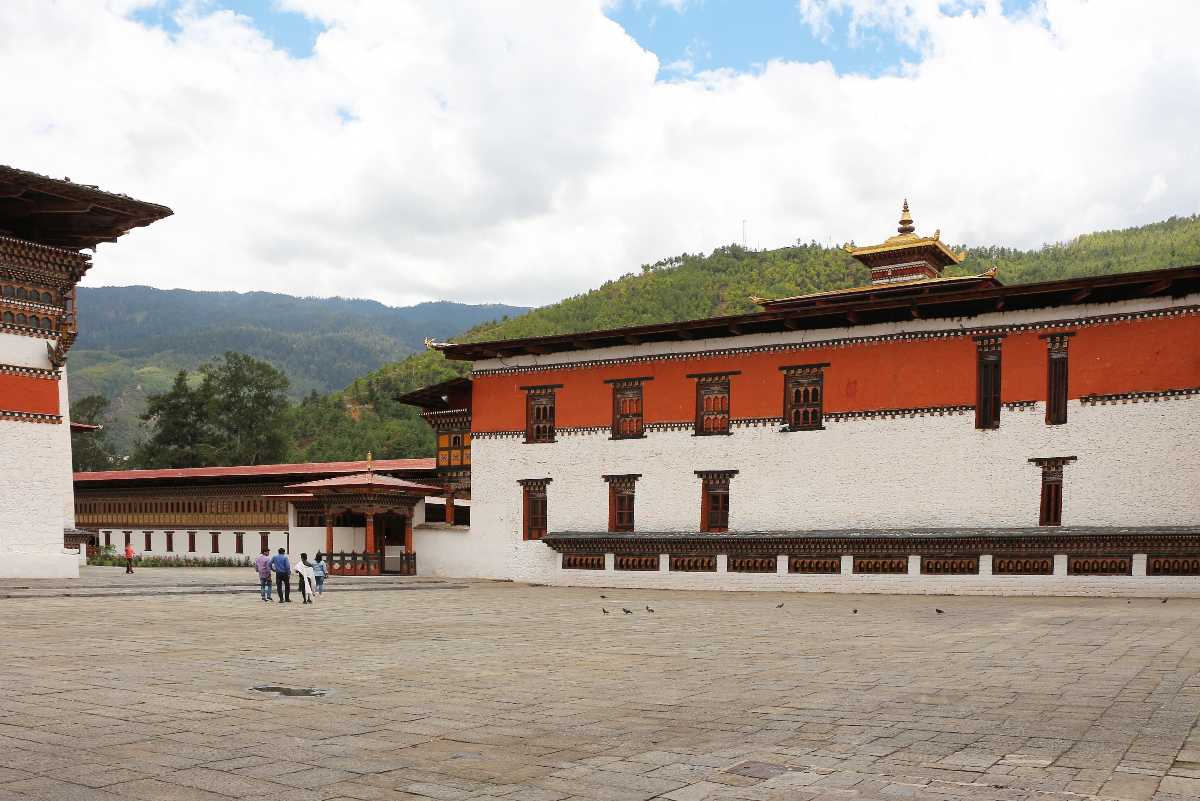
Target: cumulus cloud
<point>525,151</point>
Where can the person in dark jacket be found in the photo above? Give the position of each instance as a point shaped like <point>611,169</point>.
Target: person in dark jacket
<point>282,566</point>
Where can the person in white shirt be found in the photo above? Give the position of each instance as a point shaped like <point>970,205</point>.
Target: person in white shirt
<point>306,578</point>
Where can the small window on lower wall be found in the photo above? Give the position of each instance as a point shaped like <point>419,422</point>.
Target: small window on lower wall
<point>533,504</point>
<point>620,501</point>
<point>149,540</point>
<point>216,541</point>
<point>170,542</point>
<point>128,538</point>
<point>263,538</point>
<point>1050,509</point>
<point>191,542</point>
<point>239,542</point>
<point>108,539</point>
<point>714,499</point>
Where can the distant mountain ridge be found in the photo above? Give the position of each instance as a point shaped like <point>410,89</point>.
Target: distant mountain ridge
<point>134,339</point>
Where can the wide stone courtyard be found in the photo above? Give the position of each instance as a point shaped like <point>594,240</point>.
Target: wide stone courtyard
<point>139,687</point>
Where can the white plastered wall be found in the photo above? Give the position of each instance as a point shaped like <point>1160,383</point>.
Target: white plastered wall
<point>1138,464</point>
<point>36,498</point>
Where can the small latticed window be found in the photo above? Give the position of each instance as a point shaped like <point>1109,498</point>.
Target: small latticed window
<point>533,501</point>
<point>539,413</point>
<point>804,396</point>
<point>712,403</point>
<point>621,501</point>
<point>1050,509</point>
<point>987,383</point>
<point>714,499</point>
<point>628,420</point>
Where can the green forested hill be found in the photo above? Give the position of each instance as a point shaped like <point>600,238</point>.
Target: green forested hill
<point>692,286</point>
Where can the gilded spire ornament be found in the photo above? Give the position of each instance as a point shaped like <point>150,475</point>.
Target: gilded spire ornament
<point>370,462</point>
<point>906,220</point>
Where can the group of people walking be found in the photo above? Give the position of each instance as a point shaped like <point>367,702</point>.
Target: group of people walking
<point>310,576</point>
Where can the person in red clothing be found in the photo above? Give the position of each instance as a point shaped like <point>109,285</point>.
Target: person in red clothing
<point>129,554</point>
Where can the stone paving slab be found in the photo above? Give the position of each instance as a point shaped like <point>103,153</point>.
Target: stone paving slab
<point>505,691</point>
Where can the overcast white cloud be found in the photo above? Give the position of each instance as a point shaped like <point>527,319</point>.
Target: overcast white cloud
<point>524,151</point>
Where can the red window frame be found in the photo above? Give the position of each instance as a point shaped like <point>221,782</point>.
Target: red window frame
<point>534,508</point>
<point>804,397</point>
<point>714,500</point>
<point>1056,376</point>
<point>216,541</point>
<point>1050,502</point>
<point>149,537</point>
<point>628,408</point>
<point>239,542</point>
<point>621,501</point>
<point>714,400</point>
<point>540,404</point>
<point>191,542</point>
<point>170,542</point>
<point>263,541</point>
<point>987,381</point>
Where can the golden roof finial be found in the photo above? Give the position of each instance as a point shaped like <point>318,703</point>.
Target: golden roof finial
<point>370,462</point>
<point>906,221</point>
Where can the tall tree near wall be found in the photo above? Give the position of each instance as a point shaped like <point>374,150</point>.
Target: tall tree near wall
<point>180,432</point>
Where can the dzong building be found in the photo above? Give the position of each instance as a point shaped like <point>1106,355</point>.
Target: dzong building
<point>922,433</point>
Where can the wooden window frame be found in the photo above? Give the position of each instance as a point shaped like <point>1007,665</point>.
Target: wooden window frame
<point>1050,502</point>
<point>239,542</point>
<point>1057,376</point>
<point>128,538</point>
<point>264,541</point>
<point>535,514</point>
<point>714,422</point>
<point>627,422</point>
<point>170,541</point>
<point>540,431</point>
<point>806,413</point>
<point>149,540</point>
<point>191,542</point>
<point>988,378</point>
<point>622,501</point>
<point>714,486</point>
<point>216,541</point>
<point>108,539</point>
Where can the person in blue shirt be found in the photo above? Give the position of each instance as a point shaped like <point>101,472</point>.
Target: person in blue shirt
<point>282,566</point>
<point>320,570</point>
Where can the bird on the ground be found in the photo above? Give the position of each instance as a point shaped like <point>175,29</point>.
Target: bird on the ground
<point>855,611</point>
<point>605,611</point>
<point>1164,600</point>
<point>939,611</point>
<point>779,606</point>
<point>604,597</point>
<point>648,609</point>
<point>626,611</point>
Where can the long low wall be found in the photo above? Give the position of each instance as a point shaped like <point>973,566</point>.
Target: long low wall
<point>911,582</point>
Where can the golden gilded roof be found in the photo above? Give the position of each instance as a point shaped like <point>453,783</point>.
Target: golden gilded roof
<point>906,239</point>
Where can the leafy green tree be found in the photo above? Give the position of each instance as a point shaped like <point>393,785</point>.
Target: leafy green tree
<point>247,404</point>
<point>91,450</point>
<point>236,414</point>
